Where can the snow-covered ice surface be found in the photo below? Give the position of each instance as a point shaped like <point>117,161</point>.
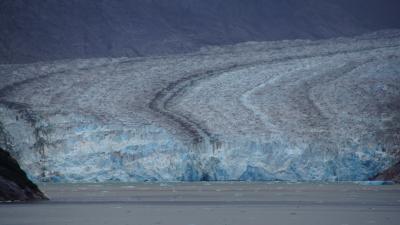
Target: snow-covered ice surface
<point>288,110</point>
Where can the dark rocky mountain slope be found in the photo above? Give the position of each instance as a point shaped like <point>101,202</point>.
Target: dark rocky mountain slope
<point>59,29</point>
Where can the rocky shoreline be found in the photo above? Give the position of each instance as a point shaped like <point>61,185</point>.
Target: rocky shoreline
<point>391,174</point>
<point>14,184</point>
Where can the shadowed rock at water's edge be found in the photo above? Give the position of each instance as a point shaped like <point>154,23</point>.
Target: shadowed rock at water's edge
<point>391,174</point>
<point>14,184</point>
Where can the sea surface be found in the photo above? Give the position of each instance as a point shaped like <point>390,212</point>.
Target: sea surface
<point>208,203</point>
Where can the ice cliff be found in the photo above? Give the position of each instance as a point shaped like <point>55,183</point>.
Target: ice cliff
<point>286,110</point>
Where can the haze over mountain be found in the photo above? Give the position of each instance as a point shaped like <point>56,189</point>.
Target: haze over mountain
<point>58,29</point>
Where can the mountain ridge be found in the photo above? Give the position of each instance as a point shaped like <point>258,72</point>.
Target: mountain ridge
<point>51,30</point>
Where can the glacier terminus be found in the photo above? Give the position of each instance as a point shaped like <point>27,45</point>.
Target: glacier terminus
<point>298,110</point>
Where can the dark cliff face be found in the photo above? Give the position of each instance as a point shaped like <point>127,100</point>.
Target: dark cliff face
<point>59,29</point>
<point>14,184</point>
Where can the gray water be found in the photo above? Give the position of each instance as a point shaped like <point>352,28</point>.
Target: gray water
<point>209,203</point>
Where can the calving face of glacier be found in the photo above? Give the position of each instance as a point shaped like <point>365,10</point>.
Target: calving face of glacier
<point>287,110</point>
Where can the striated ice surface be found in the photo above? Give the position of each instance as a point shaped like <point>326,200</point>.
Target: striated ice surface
<point>288,110</point>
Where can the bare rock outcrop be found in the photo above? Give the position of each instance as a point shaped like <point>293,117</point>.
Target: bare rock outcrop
<point>391,174</point>
<point>14,184</point>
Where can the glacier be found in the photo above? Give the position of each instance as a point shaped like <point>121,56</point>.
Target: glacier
<point>298,110</point>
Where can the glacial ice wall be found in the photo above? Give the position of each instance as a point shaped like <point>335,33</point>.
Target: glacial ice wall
<point>287,110</point>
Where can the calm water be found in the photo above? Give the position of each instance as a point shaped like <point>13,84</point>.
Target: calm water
<point>210,203</point>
